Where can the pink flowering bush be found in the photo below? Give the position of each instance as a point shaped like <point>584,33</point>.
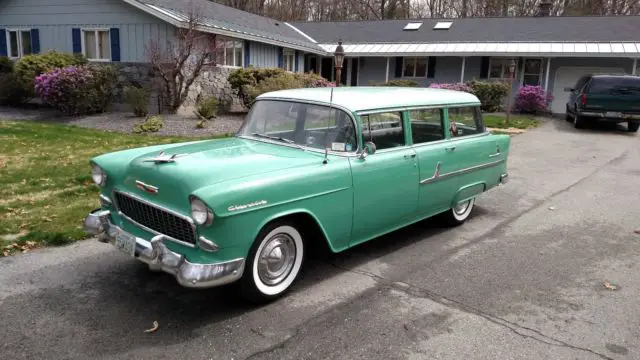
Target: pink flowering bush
<point>532,100</point>
<point>77,89</point>
<point>454,86</point>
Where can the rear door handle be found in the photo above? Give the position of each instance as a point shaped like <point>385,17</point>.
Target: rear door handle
<point>409,156</point>
<point>450,149</point>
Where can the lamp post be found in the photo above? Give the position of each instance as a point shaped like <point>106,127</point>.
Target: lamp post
<point>512,69</point>
<point>338,55</point>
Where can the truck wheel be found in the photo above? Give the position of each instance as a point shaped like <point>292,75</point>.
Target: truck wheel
<point>633,126</point>
<point>578,121</point>
<point>567,114</point>
<point>459,214</point>
<point>274,262</point>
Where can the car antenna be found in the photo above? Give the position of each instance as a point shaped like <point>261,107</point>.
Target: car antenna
<point>326,149</point>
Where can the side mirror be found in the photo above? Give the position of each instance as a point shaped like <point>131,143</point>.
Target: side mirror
<point>568,89</point>
<point>369,149</point>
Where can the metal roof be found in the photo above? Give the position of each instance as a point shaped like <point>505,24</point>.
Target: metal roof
<point>364,98</point>
<point>592,49</point>
<point>224,20</point>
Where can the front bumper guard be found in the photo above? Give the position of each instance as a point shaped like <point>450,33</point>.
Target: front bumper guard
<point>159,258</point>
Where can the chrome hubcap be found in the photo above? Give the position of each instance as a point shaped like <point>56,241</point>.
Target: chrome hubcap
<point>276,259</point>
<point>461,208</point>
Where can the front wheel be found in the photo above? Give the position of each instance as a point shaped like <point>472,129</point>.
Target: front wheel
<point>459,214</point>
<point>633,126</point>
<point>274,262</point>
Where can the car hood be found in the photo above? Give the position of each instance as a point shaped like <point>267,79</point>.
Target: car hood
<point>209,162</point>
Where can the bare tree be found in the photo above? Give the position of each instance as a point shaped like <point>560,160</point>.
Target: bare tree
<point>180,61</point>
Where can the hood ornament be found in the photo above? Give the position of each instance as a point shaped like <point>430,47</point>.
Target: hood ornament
<point>146,187</point>
<point>163,159</point>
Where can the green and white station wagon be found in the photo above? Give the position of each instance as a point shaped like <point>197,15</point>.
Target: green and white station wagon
<point>332,166</point>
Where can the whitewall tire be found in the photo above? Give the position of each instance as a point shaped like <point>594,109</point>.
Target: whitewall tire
<point>274,262</point>
<point>460,213</point>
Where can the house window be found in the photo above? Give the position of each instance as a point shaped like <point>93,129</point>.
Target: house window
<point>289,58</point>
<point>19,43</point>
<point>415,67</point>
<point>230,52</point>
<point>532,72</point>
<point>96,45</point>
<point>499,68</point>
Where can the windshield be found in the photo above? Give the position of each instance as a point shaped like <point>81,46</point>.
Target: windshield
<point>314,126</point>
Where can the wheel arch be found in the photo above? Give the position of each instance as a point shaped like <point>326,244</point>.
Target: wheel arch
<point>311,227</point>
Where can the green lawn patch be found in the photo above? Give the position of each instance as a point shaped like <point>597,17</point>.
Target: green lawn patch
<point>515,121</point>
<point>45,180</point>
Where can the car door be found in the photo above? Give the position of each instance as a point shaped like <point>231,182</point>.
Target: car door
<point>434,155</point>
<point>476,155</point>
<point>385,183</point>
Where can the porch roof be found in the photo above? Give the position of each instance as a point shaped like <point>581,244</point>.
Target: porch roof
<point>526,49</point>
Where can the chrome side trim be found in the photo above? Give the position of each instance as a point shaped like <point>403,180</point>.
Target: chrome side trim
<point>105,200</point>
<point>189,220</point>
<point>437,176</point>
<point>207,245</point>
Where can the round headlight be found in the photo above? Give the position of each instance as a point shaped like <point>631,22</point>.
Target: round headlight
<point>98,176</point>
<point>200,213</point>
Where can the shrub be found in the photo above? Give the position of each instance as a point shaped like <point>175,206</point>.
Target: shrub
<point>279,82</point>
<point>6,65</point>
<point>532,100</point>
<point>77,89</point>
<point>150,124</point>
<point>30,66</point>
<point>207,108</point>
<point>490,94</point>
<point>138,99</point>
<point>11,90</point>
<point>453,86</point>
<point>242,80</point>
<point>399,82</point>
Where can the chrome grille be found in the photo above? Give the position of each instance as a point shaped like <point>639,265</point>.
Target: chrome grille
<point>159,220</point>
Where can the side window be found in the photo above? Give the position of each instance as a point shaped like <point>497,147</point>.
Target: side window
<point>426,125</point>
<point>384,129</point>
<point>581,83</point>
<point>464,121</point>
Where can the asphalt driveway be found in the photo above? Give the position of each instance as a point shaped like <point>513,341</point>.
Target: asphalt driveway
<point>522,279</point>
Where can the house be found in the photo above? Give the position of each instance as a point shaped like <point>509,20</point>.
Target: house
<point>552,52</point>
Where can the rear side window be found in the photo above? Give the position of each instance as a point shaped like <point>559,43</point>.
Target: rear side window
<point>465,121</point>
<point>615,85</point>
<point>581,82</point>
<point>426,125</point>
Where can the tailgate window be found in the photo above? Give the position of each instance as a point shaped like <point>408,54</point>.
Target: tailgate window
<point>615,86</point>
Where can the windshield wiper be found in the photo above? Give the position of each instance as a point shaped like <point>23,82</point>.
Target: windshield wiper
<point>279,138</point>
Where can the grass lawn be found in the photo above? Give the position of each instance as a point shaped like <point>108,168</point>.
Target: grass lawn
<point>45,180</point>
<point>515,121</point>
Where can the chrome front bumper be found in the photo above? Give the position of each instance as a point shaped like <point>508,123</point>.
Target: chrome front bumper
<point>159,258</point>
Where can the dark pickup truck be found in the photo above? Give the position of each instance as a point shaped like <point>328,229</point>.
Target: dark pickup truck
<point>612,98</point>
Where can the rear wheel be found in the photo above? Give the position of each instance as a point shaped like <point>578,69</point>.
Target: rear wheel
<point>274,262</point>
<point>633,126</point>
<point>459,214</point>
<point>567,114</point>
<point>578,121</point>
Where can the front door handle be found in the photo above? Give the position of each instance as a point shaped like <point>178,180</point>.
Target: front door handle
<point>409,156</point>
<point>450,149</point>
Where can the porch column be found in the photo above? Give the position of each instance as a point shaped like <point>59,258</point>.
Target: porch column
<point>635,66</point>
<point>464,61</point>
<point>386,73</point>
<point>546,75</point>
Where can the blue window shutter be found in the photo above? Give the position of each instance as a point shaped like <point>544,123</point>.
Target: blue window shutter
<point>115,44</point>
<point>431,67</point>
<point>76,39</point>
<point>35,41</point>
<point>247,54</point>
<point>280,57</point>
<point>3,43</point>
<point>296,64</point>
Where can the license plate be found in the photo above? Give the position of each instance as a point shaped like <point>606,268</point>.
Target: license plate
<point>126,242</point>
<point>611,114</point>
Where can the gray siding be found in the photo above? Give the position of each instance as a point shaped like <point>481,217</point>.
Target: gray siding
<point>56,18</point>
<point>372,70</point>
<point>263,55</point>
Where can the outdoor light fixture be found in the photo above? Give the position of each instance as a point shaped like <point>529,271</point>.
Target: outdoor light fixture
<point>339,58</point>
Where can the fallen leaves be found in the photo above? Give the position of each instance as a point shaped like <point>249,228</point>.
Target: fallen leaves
<point>637,231</point>
<point>154,328</point>
<point>15,247</point>
<point>610,286</point>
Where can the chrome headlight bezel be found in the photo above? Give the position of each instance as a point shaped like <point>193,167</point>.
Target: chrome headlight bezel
<point>201,214</point>
<point>98,175</point>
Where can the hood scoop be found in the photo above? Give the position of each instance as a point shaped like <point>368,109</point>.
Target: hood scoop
<point>163,159</point>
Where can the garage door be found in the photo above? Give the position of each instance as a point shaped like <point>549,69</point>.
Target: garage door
<point>567,77</point>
